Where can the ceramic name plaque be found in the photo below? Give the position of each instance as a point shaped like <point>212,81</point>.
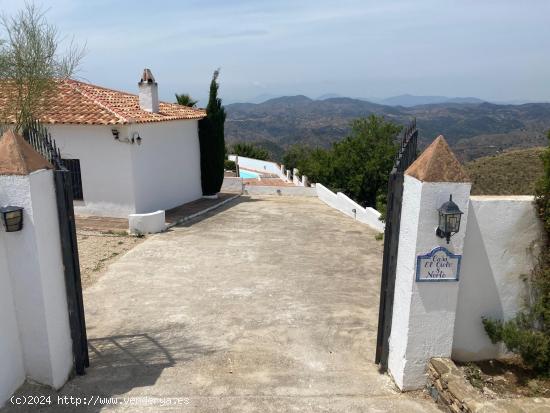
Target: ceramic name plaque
<point>438,265</point>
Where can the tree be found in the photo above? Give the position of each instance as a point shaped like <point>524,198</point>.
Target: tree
<point>249,150</point>
<point>295,155</point>
<point>212,141</point>
<point>31,65</point>
<point>359,165</point>
<point>186,100</point>
<point>528,333</point>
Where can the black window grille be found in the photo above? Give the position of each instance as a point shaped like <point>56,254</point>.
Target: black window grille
<point>73,165</point>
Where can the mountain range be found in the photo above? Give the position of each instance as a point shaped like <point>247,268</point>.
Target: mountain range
<point>472,127</point>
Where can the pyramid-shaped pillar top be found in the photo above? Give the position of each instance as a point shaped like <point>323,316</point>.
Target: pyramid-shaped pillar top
<point>18,157</point>
<point>438,163</point>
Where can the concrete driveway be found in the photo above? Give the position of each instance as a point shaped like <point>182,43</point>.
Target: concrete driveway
<point>268,305</point>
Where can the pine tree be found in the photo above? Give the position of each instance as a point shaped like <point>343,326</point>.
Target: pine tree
<point>212,141</point>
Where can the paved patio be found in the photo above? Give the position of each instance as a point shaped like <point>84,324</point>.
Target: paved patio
<point>264,305</point>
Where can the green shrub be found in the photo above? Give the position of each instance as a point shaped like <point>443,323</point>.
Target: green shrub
<point>528,334</point>
<point>250,150</point>
<point>230,165</point>
<point>358,165</point>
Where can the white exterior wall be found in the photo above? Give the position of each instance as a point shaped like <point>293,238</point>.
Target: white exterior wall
<point>119,178</point>
<point>35,269</point>
<point>344,204</point>
<point>167,171</point>
<point>12,373</point>
<point>106,167</point>
<point>503,238</point>
<point>423,313</point>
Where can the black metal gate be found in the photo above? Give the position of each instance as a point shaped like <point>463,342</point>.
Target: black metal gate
<point>40,139</point>
<point>405,157</point>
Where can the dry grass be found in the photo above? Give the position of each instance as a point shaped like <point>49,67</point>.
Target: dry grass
<point>509,173</point>
<point>96,250</point>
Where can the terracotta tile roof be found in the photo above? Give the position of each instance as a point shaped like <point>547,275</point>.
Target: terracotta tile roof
<point>86,104</point>
<point>438,163</point>
<point>17,157</point>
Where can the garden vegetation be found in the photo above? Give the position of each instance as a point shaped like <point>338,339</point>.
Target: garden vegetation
<point>358,166</point>
<point>528,334</point>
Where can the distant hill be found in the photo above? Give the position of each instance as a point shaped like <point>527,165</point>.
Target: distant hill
<point>509,173</point>
<point>411,100</point>
<point>472,129</point>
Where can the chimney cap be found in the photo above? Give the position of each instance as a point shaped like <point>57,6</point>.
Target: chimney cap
<point>147,76</point>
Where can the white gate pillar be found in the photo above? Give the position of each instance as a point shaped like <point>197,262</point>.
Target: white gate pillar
<point>425,297</point>
<point>33,268</point>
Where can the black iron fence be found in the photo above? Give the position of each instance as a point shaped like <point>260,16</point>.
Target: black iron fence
<point>405,157</point>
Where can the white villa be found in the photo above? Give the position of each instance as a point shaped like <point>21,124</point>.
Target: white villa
<point>127,153</point>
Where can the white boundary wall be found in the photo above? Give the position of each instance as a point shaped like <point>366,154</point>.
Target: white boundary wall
<point>32,289</point>
<point>503,239</point>
<point>342,203</point>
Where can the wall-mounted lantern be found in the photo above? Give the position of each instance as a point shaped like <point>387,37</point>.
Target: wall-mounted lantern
<point>12,217</point>
<point>449,219</point>
<point>136,138</point>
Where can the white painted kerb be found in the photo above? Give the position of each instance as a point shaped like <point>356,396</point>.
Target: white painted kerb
<point>147,223</point>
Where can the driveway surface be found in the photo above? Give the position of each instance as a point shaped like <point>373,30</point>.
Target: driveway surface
<point>266,305</point>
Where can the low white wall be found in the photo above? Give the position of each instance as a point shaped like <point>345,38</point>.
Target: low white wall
<point>503,238</point>
<point>150,223</point>
<point>296,180</point>
<point>342,203</point>
<point>259,165</point>
<point>34,265</point>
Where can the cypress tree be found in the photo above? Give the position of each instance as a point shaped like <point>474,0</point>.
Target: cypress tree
<point>212,141</point>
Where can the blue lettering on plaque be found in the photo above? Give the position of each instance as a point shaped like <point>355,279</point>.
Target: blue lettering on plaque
<point>438,265</point>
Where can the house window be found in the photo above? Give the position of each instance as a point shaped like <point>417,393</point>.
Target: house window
<point>73,165</point>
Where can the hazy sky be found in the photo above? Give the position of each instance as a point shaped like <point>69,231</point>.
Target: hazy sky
<point>492,49</point>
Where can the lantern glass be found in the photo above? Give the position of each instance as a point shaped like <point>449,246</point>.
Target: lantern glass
<point>12,217</point>
<point>449,219</point>
<point>453,223</point>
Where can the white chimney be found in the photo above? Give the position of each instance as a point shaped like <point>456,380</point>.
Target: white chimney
<point>148,92</point>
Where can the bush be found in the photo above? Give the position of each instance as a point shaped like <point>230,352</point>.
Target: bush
<point>230,165</point>
<point>358,166</point>
<point>250,150</point>
<point>528,334</point>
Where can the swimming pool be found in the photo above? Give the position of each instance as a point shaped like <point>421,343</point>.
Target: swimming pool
<point>248,174</point>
